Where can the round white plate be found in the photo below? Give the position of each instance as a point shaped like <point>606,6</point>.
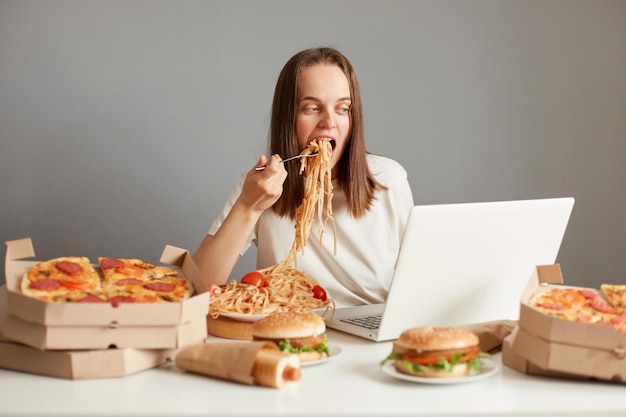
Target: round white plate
<point>250,318</point>
<point>489,368</point>
<point>334,351</point>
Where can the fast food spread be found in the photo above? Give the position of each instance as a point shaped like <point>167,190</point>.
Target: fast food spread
<point>287,334</point>
<point>437,352</point>
<point>75,279</point>
<point>283,287</point>
<point>586,305</point>
<point>303,334</point>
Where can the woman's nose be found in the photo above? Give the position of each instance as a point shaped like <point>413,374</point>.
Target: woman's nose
<point>328,121</point>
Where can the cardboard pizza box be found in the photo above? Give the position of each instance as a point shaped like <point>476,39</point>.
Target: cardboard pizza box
<point>44,325</point>
<point>567,359</point>
<point>103,314</point>
<point>520,364</point>
<point>81,364</point>
<point>77,364</point>
<point>103,337</point>
<point>583,349</point>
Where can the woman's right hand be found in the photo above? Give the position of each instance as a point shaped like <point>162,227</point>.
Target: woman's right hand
<point>261,189</point>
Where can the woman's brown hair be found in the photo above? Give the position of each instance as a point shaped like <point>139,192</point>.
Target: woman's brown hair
<point>353,174</point>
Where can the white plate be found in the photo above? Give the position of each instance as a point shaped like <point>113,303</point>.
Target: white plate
<point>334,351</point>
<point>489,368</point>
<point>250,318</point>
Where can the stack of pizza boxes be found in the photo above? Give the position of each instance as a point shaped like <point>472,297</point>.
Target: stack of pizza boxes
<point>95,340</point>
<point>550,346</point>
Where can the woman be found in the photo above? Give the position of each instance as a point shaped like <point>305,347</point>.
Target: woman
<point>317,96</point>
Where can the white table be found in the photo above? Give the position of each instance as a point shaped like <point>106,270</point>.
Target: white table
<point>352,384</point>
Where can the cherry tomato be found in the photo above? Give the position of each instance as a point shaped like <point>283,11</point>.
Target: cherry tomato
<point>319,293</point>
<point>254,278</point>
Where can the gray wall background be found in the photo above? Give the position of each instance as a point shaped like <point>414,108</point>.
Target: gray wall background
<point>124,124</point>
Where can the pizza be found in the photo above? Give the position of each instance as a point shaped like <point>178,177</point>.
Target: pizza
<point>115,269</point>
<point>581,305</point>
<point>60,279</point>
<point>616,294</point>
<point>135,280</point>
<point>75,279</point>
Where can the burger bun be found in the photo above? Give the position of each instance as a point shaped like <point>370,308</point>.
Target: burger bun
<point>288,326</point>
<point>431,338</point>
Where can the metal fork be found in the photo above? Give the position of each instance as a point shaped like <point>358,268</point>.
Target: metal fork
<point>289,159</point>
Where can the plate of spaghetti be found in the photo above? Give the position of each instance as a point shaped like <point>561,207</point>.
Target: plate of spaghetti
<point>286,288</point>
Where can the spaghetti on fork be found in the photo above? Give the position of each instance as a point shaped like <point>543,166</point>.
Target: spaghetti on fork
<point>287,288</point>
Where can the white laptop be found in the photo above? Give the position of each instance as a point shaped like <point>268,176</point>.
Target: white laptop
<point>461,264</point>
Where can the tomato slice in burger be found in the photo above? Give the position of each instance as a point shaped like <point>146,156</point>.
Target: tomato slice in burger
<point>254,278</point>
<point>431,360</point>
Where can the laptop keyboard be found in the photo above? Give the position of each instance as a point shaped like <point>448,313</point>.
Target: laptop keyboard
<point>368,322</point>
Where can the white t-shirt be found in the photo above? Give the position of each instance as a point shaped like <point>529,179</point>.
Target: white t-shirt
<point>360,271</point>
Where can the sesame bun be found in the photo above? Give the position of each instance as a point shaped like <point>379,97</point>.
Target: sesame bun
<point>428,338</point>
<point>288,326</point>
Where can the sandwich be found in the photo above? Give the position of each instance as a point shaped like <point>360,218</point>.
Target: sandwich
<point>303,334</point>
<point>439,352</point>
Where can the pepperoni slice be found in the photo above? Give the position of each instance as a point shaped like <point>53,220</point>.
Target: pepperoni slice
<point>91,299</point>
<point>551,306</point>
<point>160,286</point>
<point>599,305</point>
<point>69,268</point>
<point>118,299</point>
<point>45,284</point>
<point>129,281</point>
<point>619,320</point>
<point>588,294</point>
<point>108,263</point>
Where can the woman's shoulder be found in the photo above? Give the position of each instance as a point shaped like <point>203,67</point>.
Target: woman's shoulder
<point>386,167</point>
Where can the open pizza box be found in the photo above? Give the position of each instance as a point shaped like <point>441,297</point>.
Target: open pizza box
<point>77,364</point>
<point>45,325</point>
<point>586,350</point>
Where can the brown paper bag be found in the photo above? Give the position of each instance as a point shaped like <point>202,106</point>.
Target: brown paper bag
<point>491,333</point>
<point>245,362</point>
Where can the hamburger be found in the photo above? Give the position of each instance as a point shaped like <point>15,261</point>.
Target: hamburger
<point>300,333</point>
<point>440,352</point>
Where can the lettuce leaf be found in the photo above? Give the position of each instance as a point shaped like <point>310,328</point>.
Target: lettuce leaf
<point>475,363</point>
<point>286,346</point>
